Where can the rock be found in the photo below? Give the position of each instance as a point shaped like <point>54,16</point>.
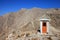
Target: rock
<point>27,20</point>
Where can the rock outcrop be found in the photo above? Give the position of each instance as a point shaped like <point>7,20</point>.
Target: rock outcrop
<point>27,20</point>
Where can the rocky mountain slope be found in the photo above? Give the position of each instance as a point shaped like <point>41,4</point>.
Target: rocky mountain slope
<point>27,20</point>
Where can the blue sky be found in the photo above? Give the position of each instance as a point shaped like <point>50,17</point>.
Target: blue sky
<point>7,6</point>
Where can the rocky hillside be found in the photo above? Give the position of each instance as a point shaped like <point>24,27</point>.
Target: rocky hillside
<point>27,20</point>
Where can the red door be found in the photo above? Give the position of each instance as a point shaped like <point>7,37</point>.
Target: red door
<point>44,27</point>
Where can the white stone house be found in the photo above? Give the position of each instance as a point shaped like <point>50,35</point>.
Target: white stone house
<point>44,24</point>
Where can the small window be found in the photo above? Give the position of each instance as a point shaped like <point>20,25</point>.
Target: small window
<point>44,23</point>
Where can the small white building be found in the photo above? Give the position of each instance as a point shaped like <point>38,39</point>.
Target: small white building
<point>44,24</point>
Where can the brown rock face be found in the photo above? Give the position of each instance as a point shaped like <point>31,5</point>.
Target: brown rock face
<point>26,20</point>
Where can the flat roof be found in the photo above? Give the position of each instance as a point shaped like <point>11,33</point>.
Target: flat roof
<point>45,19</point>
